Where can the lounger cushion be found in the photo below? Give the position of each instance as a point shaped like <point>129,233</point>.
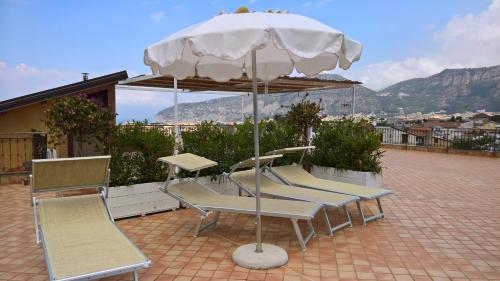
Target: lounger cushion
<point>198,195</point>
<point>80,238</point>
<point>297,176</point>
<point>267,186</point>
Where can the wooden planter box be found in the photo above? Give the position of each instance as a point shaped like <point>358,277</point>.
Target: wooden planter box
<point>139,199</point>
<point>348,176</point>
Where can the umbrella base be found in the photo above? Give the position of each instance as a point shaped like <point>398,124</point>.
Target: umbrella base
<point>272,256</point>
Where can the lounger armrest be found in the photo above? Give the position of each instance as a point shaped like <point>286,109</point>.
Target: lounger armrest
<point>288,150</point>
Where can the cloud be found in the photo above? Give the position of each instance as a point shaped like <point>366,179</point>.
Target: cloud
<point>134,97</point>
<point>140,105</point>
<point>157,16</point>
<point>23,79</point>
<point>471,40</point>
<point>317,3</point>
<point>322,3</point>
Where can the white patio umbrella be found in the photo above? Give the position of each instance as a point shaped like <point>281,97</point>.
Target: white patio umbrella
<point>266,44</point>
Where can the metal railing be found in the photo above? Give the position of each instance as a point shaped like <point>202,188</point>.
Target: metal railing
<point>187,128</point>
<point>459,138</point>
<point>18,149</point>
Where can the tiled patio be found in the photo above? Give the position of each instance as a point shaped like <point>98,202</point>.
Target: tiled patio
<point>443,223</point>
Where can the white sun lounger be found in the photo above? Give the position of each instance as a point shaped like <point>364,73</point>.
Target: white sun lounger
<point>205,200</point>
<point>295,175</point>
<point>246,180</point>
<point>79,238</point>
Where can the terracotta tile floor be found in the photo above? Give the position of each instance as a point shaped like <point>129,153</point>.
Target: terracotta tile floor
<point>443,223</point>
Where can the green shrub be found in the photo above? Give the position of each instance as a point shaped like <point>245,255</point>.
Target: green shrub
<point>347,145</point>
<point>212,142</point>
<point>134,153</point>
<point>272,135</point>
<point>304,114</point>
<point>481,142</point>
<point>228,147</point>
<point>242,141</point>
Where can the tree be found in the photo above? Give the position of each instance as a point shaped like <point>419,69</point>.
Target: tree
<point>84,119</point>
<point>304,114</point>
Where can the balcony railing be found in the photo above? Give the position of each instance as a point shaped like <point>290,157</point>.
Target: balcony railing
<point>460,138</point>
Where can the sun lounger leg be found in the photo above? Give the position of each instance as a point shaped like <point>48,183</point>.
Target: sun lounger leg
<point>380,207</point>
<point>136,276</point>
<point>347,221</point>
<point>327,222</point>
<point>361,214</point>
<point>371,218</point>
<point>311,230</point>
<point>35,213</point>
<point>200,226</point>
<point>347,216</point>
<point>302,241</point>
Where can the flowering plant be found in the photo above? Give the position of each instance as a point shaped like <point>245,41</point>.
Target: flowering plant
<point>83,118</point>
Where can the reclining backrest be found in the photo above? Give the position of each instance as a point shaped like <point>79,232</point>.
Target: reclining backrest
<point>293,173</point>
<point>69,173</point>
<point>247,178</point>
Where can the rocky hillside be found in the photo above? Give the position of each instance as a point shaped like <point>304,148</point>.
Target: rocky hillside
<point>453,90</point>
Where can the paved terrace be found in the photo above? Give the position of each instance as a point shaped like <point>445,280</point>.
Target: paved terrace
<point>443,223</point>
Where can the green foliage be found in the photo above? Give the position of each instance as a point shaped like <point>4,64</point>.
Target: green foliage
<point>482,142</point>
<point>272,135</point>
<point>212,142</point>
<point>242,141</point>
<point>83,118</point>
<point>135,149</point>
<point>304,114</point>
<point>347,145</point>
<point>228,147</point>
<point>277,135</point>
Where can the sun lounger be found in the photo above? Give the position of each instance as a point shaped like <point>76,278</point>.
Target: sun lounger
<point>205,200</point>
<point>79,238</point>
<point>246,180</point>
<point>295,175</point>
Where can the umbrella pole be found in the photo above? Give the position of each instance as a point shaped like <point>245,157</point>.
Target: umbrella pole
<point>176,121</point>
<point>246,256</point>
<point>258,248</point>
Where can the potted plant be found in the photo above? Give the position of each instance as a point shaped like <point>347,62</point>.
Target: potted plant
<point>86,120</point>
<point>83,118</point>
<point>347,151</point>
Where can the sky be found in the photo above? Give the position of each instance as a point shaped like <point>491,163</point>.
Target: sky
<point>44,44</point>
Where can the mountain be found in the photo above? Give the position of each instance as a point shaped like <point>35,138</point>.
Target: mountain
<point>452,90</point>
<point>229,108</point>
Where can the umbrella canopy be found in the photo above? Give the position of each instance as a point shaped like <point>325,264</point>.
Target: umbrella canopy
<point>220,48</point>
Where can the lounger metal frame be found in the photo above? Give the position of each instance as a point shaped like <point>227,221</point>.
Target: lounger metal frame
<point>364,219</point>
<point>103,194</point>
<point>347,218</point>
<point>205,211</point>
